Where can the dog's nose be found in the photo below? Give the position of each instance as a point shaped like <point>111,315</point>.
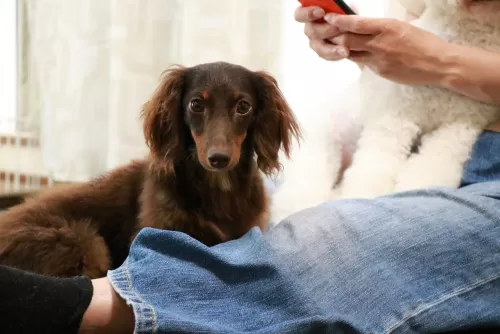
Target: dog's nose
<point>218,159</point>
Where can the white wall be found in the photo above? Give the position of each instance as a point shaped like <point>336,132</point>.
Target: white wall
<point>8,65</point>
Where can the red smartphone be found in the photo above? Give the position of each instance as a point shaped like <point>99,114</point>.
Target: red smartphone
<point>330,6</point>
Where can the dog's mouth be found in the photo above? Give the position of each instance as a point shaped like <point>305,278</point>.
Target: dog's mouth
<point>218,154</point>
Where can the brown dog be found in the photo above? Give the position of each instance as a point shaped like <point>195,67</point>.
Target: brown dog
<point>210,129</point>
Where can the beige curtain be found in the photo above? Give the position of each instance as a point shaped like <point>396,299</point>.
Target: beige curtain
<point>89,65</point>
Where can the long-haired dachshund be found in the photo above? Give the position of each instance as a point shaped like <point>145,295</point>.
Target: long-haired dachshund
<point>210,129</point>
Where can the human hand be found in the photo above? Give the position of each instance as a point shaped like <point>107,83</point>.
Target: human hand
<point>320,34</point>
<point>393,49</point>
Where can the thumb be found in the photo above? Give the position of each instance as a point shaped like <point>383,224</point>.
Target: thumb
<point>356,24</point>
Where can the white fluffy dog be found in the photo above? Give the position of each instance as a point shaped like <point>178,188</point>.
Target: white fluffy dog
<point>329,140</point>
<point>395,117</point>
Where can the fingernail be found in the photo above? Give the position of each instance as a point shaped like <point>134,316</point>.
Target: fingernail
<point>342,52</point>
<point>318,12</point>
<point>330,17</point>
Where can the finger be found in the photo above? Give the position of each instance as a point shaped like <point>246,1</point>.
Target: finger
<point>328,51</point>
<point>360,57</point>
<point>353,41</point>
<point>308,14</point>
<point>357,24</point>
<point>320,30</point>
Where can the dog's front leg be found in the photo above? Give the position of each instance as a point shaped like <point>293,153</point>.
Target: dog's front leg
<point>382,149</point>
<point>441,158</point>
<point>173,218</point>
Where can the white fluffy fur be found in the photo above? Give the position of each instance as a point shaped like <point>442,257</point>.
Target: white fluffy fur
<point>396,116</point>
<point>308,178</point>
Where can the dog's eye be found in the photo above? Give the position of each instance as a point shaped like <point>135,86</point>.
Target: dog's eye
<point>197,106</point>
<point>243,107</point>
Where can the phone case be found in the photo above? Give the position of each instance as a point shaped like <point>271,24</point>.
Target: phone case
<point>330,6</point>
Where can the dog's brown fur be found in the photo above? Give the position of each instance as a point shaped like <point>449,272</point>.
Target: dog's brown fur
<point>87,229</point>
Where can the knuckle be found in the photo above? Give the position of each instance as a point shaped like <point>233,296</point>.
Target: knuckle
<point>392,27</point>
<point>320,31</point>
<point>309,31</point>
<point>331,57</point>
<point>382,47</point>
<point>324,53</point>
<point>312,45</point>
<point>296,15</point>
<point>340,40</point>
<point>316,46</point>
<point>358,25</point>
<point>305,14</point>
<point>310,15</point>
<point>332,31</point>
<point>403,34</point>
<point>305,30</point>
<point>346,40</point>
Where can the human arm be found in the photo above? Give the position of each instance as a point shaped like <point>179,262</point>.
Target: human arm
<point>403,53</point>
<point>31,303</point>
<point>473,72</point>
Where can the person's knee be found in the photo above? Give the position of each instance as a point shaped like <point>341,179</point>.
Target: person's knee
<point>338,229</point>
<point>355,229</point>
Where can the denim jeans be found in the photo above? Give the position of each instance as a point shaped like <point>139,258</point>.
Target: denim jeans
<point>425,261</point>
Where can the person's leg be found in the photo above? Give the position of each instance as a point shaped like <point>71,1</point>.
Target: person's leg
<point>417,262</point>
<point>484,164</point>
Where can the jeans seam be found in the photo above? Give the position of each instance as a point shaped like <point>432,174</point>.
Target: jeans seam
<point>129,283</point>
<point>145,314</point>
<point>454,293</point>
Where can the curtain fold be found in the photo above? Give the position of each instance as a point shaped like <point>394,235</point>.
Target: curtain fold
<point>91,64</point>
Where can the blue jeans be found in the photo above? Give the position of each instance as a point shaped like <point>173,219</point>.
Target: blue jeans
<point>418,262</point>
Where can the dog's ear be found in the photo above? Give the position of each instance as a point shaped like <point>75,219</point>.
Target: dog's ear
<point>163,121</point>
<point>275,125</point>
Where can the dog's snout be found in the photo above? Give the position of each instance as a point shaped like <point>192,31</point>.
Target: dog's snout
<point>218,159</point>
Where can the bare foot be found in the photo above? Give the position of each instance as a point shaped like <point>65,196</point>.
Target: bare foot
<point>107,312</point>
